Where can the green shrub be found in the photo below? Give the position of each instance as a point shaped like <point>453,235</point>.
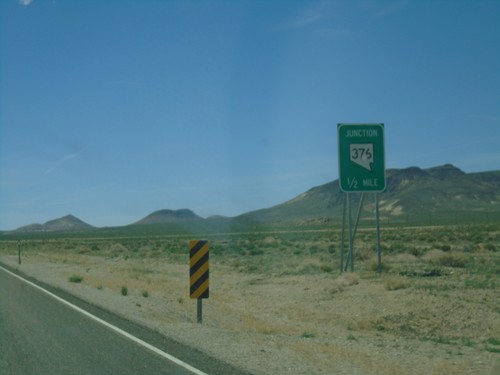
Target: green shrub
<point>124,290</point>
<point>308,335</point>
<point>422,273</point>
<point>442,340</point>
<point>75,279</point>
<point>490,247</point>
<point>493,341</point>
<point>254,251</point>
<point>416,251</point>
<point>444,247</point>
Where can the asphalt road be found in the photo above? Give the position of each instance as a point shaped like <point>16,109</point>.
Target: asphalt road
<point>41,335</point>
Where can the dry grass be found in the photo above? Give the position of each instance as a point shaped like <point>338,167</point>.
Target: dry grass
<point>395,283</point>
<point>343,281</point>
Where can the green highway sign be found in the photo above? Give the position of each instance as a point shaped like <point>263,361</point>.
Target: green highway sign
<point>361,157</point>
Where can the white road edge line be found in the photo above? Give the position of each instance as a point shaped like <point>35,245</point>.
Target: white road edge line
<point>137,340</point>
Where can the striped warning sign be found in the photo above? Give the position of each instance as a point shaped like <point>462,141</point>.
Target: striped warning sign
<point>198,269</point>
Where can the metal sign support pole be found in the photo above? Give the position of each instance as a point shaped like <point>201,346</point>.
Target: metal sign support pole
<point>352,231</point>
<point>358,215</point>
<point>351,245</point>
<point>342,242</point>
<point>377,219</point>
<point>200,310</point>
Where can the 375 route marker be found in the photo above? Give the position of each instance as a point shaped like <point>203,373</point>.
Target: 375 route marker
<point>361,157</point>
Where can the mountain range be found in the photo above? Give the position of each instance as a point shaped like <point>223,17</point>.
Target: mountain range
<point>411,192</point>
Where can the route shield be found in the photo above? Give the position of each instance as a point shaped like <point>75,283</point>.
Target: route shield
<point>361,157</point>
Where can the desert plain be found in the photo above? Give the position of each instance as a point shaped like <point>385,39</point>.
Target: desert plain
<point>279,303</point>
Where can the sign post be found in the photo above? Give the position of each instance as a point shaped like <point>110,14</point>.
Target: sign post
<point>361,170</point>
<point>198,273</point>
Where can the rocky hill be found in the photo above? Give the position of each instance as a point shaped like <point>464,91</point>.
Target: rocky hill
<point>169,216</point>
<point>68,223</point>
<point>410,191</point>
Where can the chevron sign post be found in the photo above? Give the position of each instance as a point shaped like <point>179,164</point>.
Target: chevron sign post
<point>198,272</point>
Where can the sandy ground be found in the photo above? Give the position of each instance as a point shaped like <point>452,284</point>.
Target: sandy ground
<point>301,324</point>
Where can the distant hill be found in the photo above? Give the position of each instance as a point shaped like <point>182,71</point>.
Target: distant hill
<point>169,216</point>
<point>410,191</point>
<point>68,223</point>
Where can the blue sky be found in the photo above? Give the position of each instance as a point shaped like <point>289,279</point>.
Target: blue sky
<point>110,110</point>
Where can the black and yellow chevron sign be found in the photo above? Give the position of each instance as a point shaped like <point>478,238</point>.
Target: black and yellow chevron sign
<point>198,269</point>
